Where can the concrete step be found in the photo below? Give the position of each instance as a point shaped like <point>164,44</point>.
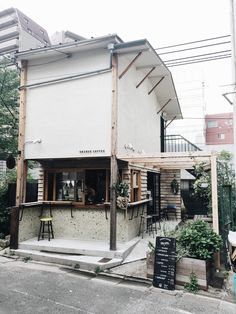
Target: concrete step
<point>78,247</point>
<point>91,263</point>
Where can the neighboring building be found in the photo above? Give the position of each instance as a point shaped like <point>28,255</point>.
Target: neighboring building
<point>219,132</point>
<point>18,32</point>
<point>65,37</point>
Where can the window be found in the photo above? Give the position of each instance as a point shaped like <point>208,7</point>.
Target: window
<point>82,186</point>
<point>221,136</point>
<point>212,124</point>
<point>135,186</point>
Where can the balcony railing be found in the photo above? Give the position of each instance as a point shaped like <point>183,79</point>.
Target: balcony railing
<point>177,143</point>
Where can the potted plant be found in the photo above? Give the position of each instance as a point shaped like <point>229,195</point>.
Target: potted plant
<point>196,244</point>
<point>201,243</point>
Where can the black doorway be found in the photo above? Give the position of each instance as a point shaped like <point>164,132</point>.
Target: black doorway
<point>153,185</point>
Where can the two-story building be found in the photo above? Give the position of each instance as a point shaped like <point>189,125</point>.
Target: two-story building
<point>82,105</point>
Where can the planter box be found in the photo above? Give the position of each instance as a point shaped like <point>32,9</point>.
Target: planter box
<point>184,267</point>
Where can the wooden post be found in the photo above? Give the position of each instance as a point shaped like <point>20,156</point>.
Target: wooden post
<point>214,194</point>
<point>114,166</point>
<point>215,214</point>
<point>21,163</point>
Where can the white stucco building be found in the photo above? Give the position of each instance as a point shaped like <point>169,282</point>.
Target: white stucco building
<point>86,106</point>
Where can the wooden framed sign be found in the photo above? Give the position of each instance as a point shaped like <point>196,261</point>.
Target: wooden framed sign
<point>165,263</point>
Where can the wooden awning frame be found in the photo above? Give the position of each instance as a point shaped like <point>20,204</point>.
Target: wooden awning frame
<point>182,161</point>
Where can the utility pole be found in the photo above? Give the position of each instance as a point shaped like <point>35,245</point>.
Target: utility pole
<point>233,44</point>
<point>114,165</point>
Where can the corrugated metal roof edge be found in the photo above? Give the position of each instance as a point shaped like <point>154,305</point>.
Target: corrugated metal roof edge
<point>67,45</point>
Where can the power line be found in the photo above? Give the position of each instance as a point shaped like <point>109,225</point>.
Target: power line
<point>193,42</point>
<point>201,55</point>
<point>206,118</point>
<point>192,48</point>
<point>198,61</point>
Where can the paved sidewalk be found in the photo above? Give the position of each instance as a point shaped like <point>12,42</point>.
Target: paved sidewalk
<point>31,287</point>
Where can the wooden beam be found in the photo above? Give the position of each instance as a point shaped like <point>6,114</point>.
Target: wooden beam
<point>215,214</point>
<point>164,106</point>
<point>129,65</point>
<point>156,85</point>
<point>149,72</point>
<point>21,163</point>
<point>170,122</point>
<point>114,165</point>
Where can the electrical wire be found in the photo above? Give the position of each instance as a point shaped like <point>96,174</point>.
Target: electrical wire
<point>201,55</point>
<point>193,42</point>
<point>198,61</point>
<point>192,48</point>
<point>205,118</point>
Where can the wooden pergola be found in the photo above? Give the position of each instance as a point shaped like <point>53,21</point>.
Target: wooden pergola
<point>182,161</point>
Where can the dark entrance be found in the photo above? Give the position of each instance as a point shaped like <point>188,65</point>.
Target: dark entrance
<point>153,185</point>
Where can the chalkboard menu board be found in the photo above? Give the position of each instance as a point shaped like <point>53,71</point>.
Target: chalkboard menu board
<point>165,263</point>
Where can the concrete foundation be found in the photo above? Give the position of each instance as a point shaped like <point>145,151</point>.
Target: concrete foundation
<point>86,224</point>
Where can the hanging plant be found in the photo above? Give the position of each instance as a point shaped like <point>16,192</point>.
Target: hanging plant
<point>174,186</point>
<point>122,193</point>
<point>122,189</point>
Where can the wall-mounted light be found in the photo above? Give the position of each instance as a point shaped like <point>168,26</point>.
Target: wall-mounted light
<point>129,146</point>
<point>35,141</point>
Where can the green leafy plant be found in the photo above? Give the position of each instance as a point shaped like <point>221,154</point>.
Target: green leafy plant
<point>151,246</point>
<point>122,189</point>
<point>122,194</point>
<point>192,285</point>
<point>174,186</point>
<point>199,239</point>
<point>27,259</point>
<point>97,270</point>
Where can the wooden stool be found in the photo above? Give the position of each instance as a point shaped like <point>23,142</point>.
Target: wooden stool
<point>155,220</point>
<point>145,225</point>
<point>42,231</point>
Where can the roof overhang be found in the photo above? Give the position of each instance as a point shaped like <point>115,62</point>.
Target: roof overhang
<point>159,75</point>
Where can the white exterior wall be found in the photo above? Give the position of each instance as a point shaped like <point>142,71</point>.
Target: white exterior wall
<point>138,122</point>
<point>72,118</point>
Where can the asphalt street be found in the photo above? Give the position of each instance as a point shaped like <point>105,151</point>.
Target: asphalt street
<point>39,288</point>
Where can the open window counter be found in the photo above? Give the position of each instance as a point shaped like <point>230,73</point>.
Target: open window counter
<point>84,222</point>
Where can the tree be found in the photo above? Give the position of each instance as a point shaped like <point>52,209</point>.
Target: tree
<point>9,83</point>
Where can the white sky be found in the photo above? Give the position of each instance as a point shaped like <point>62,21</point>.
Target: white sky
<point>162,22</point>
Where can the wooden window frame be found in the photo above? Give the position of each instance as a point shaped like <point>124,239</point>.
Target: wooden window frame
<point>135,187</point>
<point>61,170</point>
